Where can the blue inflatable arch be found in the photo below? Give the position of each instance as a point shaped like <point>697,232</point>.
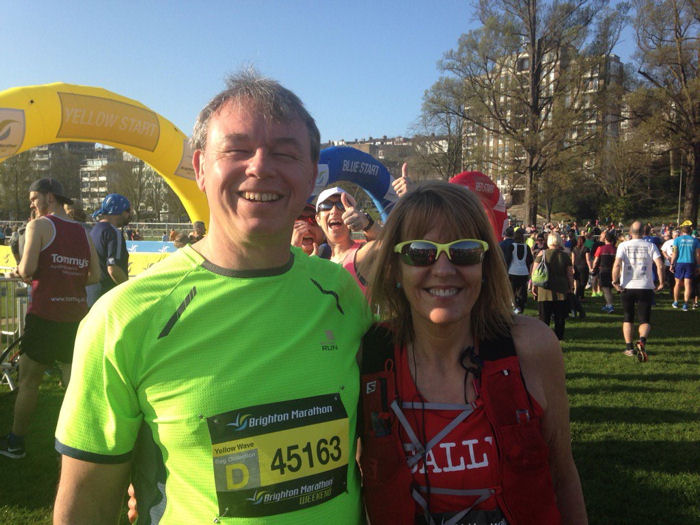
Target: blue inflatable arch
<point>343,163</point>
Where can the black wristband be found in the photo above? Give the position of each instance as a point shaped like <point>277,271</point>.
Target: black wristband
<point>370,222</point>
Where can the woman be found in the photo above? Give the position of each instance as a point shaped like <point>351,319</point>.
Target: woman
<point>579,260</point>
<point>603,264</point>
<point>519,270</point>
<point>465,417</point>
<point>552,301</point>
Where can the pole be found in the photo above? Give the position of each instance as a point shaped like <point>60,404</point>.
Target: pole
<point>680,186</point>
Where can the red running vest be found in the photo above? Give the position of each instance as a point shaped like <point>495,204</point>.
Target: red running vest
<point>58,284</point>
<point>522,486</point>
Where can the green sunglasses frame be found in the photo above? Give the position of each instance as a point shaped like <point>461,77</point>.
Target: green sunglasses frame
<point>441,248</point>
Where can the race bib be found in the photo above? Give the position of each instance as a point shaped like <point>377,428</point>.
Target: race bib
<point>280,457</point>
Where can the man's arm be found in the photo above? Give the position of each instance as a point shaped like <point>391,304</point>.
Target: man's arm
<point>34,235</point>
<point>659,261</point>
<point>117,274</point>
<point>616,272</point>
<point>94,270</point>
<point>90,493</point>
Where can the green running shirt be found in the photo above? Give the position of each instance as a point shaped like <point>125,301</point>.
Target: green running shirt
<point>235,393</point>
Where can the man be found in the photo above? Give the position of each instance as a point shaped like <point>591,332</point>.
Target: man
<point>632,275</point>
<point>110,244</point>
<point>198,232</point>
<point>251,415</point>
<point>307,234</point>
<point>667,253</point>
<point>507,245</point>
<point>684,265</point>
<point>59,260</point>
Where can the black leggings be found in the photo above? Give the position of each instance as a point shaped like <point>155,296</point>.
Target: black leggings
<point>581,277</point>
<point>560,310</point>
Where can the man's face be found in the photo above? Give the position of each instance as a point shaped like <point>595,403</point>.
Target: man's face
<point>124,218</point>
<point>39,203</point>
<point>331,221</point>
<point>256,174</point>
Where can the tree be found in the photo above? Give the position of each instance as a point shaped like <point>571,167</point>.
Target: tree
<point>668,48</point>
<point>16,174</point>
<point>439,131</point>
<point>522,80</point>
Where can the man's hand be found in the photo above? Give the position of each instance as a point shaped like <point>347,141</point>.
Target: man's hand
<point>403,184</point>
<point>353,218</point>
<point>301,229</point>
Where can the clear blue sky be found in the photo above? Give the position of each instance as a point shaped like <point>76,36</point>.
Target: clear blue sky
<point>361,66</point>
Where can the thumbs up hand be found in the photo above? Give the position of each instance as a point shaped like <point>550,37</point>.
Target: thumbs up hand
<point>403,184</point>
<point>353,218</point>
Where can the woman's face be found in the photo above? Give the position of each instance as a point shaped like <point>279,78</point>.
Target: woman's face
<point>442,293</point>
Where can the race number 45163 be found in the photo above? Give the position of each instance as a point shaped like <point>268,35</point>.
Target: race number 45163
<point>295,457</point>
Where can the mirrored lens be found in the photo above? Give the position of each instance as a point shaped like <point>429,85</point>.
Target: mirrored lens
<point>419,253</point>
<point>466,253</point>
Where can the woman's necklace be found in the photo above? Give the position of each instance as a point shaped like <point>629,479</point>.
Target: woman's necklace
<point>475,364</point>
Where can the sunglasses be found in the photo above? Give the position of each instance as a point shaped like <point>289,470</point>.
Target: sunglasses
<point>307,218</point>
<point>462,252</point>
<point>327,205</point>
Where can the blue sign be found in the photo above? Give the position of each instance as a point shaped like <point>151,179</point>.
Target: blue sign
<point>150,247</point>
<point>343,163</point>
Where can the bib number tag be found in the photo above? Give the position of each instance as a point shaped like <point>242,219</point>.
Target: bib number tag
<point>280,457</point>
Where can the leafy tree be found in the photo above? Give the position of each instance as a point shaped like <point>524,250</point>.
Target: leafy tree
<point>16,174</point>
<point>523,79</point>
<point>668,41</point>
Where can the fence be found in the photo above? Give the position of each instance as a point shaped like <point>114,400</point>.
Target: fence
<point>14,298</point>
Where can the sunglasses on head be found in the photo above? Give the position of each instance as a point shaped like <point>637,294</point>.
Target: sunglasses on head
<point>307,218</point>
<point>462,252</point>
<point>327,205</point>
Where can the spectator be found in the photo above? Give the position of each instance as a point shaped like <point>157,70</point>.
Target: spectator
<point>519,269</point>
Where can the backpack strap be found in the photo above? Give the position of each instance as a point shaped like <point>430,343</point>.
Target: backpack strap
<point>377,347</point>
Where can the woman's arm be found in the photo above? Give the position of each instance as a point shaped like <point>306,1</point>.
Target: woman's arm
<point>542,365</point>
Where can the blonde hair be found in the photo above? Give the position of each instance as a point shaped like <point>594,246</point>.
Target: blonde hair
<point>554,240</point>
<point>459,214</point>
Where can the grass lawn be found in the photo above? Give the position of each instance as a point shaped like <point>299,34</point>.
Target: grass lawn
<point>635,426</point>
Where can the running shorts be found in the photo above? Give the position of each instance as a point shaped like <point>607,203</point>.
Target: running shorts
<point>685,271</point>
<point>47,341</point>
<point>643,298</point>
<point>606,278</point>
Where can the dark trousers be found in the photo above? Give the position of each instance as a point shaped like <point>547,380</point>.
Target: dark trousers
<point>519,285</point>
<point>557,308</point>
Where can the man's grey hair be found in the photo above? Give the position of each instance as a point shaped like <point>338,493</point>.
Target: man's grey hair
<point>275,102</point>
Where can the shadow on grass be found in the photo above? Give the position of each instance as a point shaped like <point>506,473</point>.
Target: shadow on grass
<point>614,388</point>
<point>634,377</point>
<point>649,487</point>
<point>633,415</point>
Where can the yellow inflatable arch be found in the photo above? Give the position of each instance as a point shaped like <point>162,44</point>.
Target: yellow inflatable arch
<point>35,115</point>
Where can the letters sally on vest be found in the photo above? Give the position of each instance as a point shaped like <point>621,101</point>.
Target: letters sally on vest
<point>525,495</point>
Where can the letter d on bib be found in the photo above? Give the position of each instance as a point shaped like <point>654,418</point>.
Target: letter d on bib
<point>231,484</point>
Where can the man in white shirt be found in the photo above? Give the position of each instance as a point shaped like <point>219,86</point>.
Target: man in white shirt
<point>632,275</point>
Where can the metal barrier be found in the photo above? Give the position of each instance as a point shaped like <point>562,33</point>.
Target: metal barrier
<point>14,298</point>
